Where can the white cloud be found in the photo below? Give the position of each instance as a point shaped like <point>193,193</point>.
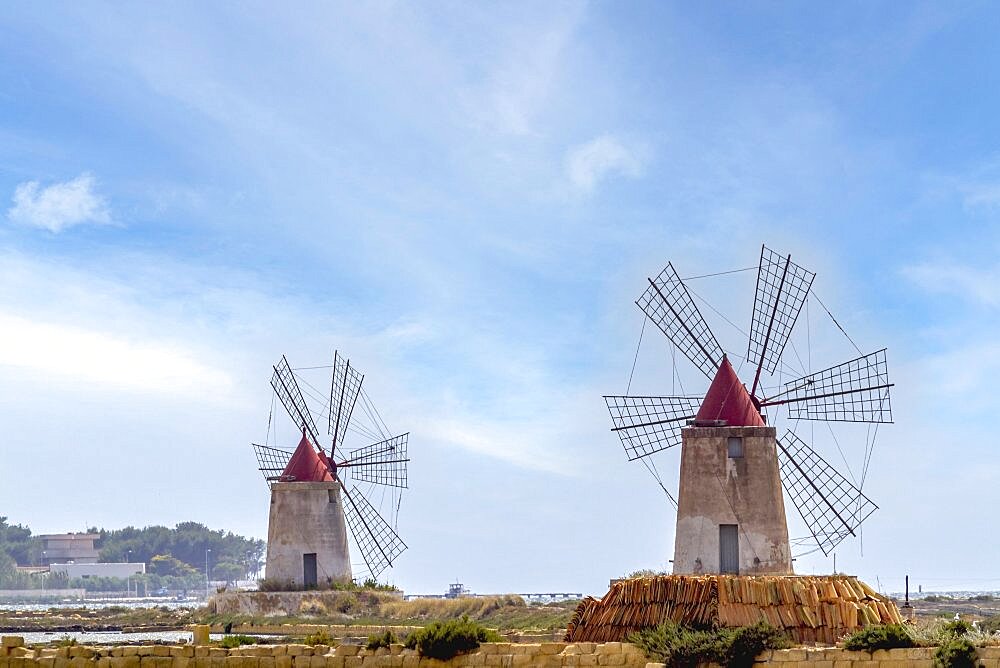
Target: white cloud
<point>981,195</point>
<point>60,205</point>
<point>93,356</point>
<point>593,161</point>
<point>981,286</point>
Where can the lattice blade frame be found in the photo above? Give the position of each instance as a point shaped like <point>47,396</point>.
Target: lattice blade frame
<point>855,391</point>
<point>782,288</point>
<point>669,305</point>
<point>287,388</point>
<point>647,425</point>
<point>271,462</point>
<point>378,542</point>
<point>345,385</point>
<point>383,463</point>
<point>829,504</point>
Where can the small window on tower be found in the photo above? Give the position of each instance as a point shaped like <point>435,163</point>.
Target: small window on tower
<point>331,495</point>
<point>735,444</point>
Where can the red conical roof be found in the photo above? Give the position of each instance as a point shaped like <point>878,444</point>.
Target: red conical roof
<point>728,400</point>
<point>307,465</point>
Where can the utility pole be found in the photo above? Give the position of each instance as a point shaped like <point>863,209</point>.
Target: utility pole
<point>207,552</point>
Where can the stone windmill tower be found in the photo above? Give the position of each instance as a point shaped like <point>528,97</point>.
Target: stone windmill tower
<point>312,504</point>
<point>730,507</point>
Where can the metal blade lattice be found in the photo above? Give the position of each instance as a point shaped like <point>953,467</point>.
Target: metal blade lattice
<point>650,424</point>
<point>344,388</point>
<point>271,461</point>
<point>782,288</point>
<point>855,391</point>
<point>829,504</point>
<point>383,463</point>
<point>379,544</point>
<point>287,388</point>
<point>669,305</point>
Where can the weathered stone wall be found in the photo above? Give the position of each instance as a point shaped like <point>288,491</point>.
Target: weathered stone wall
<point>502,655</point>
<point>307,517</point>
<point>712,485</point>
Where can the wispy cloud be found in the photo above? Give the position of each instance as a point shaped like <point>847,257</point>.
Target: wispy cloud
<point>981,286</point>
<point>591,162</point>
<point>60,205</point>
<point>93,356</point>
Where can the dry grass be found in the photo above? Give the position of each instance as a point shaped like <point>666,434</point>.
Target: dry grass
<point>477,608</point>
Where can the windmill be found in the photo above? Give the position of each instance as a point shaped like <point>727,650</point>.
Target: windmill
<point>730,509</point>
<point>312,502</point>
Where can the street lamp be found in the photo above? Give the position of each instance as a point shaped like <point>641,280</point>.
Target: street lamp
<point>207,552</point>
<point>128,575</point>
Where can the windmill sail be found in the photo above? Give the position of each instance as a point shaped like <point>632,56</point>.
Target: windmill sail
<point>379,544</point>
<point>344,388</point>
<point>383,463</point>
<point>271,461</point>
<point>855,391</point>
<point>650,424</point>
<point>782,288</point>
<point>287,388</point>
<point>669,305</point>
<point>830,505</point>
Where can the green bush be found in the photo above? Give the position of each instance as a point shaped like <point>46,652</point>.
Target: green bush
<point>990,624</point>
<point>871,638</point>
<point>319,638</point>
<point>443,640</point>
<point>383,639</point>
<point>957,628</point>
<point>956,653</point>
<point>749,641</point>
<point>682,647</point>
<point>232,641</point>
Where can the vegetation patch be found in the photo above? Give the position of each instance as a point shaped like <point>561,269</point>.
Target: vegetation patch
<point>956,653</point>
<point>384,639</point>
<point>683,647</point>
<point>880,636</point>
<point>443,640</point>
<point>320,638</point>
<point>232,641</point>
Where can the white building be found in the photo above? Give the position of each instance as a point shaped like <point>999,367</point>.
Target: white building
<point>74,570</point>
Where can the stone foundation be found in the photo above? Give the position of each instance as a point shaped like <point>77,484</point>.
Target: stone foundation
<point>501,655</point>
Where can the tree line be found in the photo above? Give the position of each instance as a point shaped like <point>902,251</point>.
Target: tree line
<point>175,557</point>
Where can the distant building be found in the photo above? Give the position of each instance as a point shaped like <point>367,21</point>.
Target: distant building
<point>74,570</point>
<point>62,548</point>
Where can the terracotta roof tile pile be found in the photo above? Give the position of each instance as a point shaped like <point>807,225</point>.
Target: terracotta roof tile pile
<point>809,608</point>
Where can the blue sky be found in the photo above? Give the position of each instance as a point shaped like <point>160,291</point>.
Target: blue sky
<point>467,198</point>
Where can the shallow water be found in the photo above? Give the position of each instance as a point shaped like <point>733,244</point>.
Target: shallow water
<point>115,637</point>
<point>105,637</point>
<point>98,604</point>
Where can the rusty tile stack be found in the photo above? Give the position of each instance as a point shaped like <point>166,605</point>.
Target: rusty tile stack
<point>809,608</point>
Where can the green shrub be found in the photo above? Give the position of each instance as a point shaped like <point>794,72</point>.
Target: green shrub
<point>956,653</point>
<point>682,647</point>
<point>232,641</point>
<point>871,638</point>
<point>957,628</point>
<point>749,641</point>
<point>443,640</point>
<point>990,624</point>
<point>319,638</point>
<point>383,639</point>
